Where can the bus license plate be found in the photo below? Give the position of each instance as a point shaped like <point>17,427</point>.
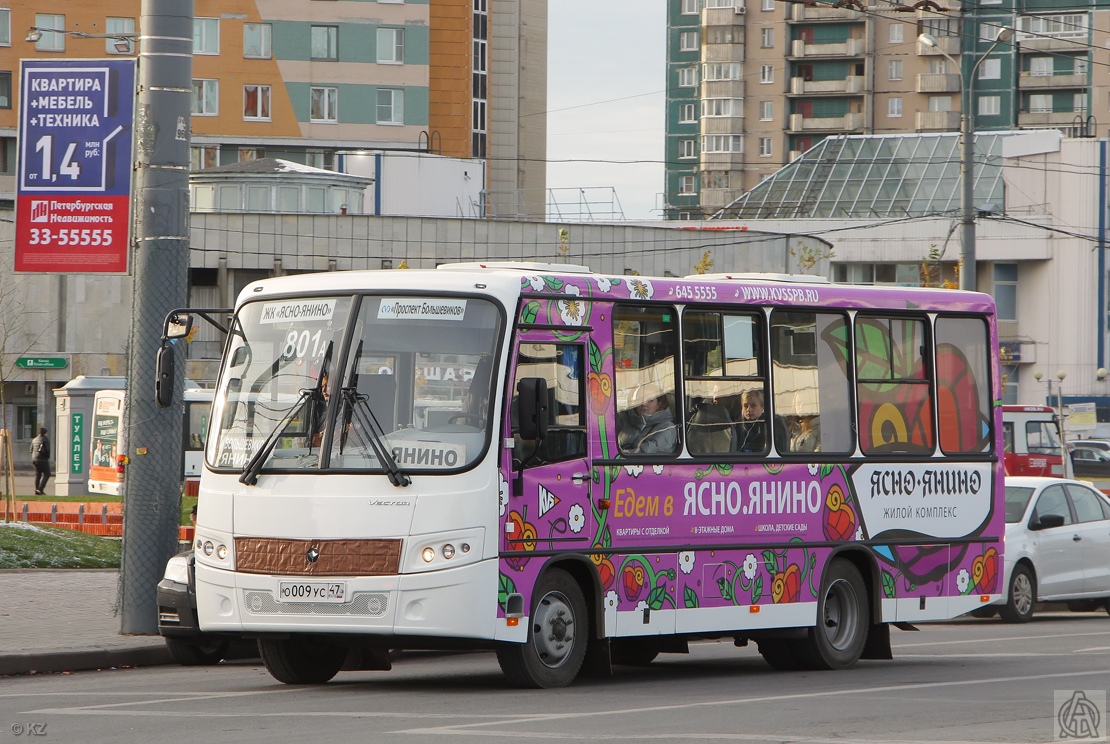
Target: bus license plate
<point>312,591</point>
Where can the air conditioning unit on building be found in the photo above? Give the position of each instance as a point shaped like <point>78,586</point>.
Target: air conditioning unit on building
<point>741,7</point>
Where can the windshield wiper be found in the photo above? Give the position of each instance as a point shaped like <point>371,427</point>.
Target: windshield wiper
<point>254,465</point>
<point>359,407</point>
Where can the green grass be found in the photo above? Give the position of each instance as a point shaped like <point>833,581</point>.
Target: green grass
<point>32,546</point>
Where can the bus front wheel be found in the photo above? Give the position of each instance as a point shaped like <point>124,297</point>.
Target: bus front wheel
<point>558,633</point>
<point>300,660</point>
<point>837,641</point>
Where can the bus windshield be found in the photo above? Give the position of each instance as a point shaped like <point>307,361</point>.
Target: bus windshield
<point>409,382</point>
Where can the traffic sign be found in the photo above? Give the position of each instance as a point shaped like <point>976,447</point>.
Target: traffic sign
<point>73,191</point>
<point>41,362</point>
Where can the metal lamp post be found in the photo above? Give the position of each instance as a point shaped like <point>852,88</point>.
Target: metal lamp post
<point>1061,420</point>
<point>968,277</point>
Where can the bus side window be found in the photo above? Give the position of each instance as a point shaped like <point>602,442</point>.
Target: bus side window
<point>561,366</point>
<point>649,413</point>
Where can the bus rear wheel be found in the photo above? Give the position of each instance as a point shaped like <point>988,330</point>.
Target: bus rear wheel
<point>558,633</point>
<point>837,641</point>
<point>301,660</point>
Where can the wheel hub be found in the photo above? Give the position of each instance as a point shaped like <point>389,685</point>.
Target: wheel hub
<point>553,629</point>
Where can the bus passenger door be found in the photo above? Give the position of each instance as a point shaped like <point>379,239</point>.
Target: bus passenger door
<point>549,485</point>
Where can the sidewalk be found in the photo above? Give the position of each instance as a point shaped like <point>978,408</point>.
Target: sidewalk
<point>63,620</point>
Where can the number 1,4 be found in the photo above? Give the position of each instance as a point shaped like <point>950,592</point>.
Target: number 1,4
<point>69,166</point>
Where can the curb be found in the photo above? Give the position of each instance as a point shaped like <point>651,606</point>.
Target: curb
<point>67,661</point>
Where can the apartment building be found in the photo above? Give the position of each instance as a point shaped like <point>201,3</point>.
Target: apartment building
<point>752,84</point>
<point>303,80</point>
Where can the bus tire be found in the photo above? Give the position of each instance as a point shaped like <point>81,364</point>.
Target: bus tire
<point>186,653</point>
<point>301,660</point>
<point>1021,595</point>
<point>636,651</point>
<point>838,639</point>
<point>558,634</point>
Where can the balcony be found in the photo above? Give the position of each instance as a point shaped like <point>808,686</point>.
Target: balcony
<point>849,48</point>
<point>1048,119</point>
<point>1028,81</point>
<point>723,16</point>
<point>1072,44</point>
<point>949,45</point>
<point>932,82</point>
<point>938,121</point>
<point>798,12</point>
<point>846,123</point>
<point>802,87</point>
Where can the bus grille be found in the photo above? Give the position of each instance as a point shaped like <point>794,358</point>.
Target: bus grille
<point>264,555</point>
<point>368,604</point>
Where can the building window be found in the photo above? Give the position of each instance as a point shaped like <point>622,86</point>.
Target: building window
<point>50,41</point>
<point>1040,103</point>
<point>688,41</point>
<point>1060,26</point>
<point>723,71</point>
<point>894,70</point>
<point>691,7</point>
<point>1005,290</point>
<point>256,102</point>
<point>125,43</point>
<point>990,105</point>
<point>391,106</point>
<point>1079,102</point>
<point>687,185</point>
<point>939,27</point>
<point>767,5</point>
<point>897,33</point>
<point>206,36</point>
<point>687,77</point>
<point>687,113</point>
<point>722,143</point>
<point>391,46</point>
<point>322,159</point>
<point>988,32</point>
<point>722,107</point>
<point>686,149</point>
<point>1079,66</point>
<point>322,105</point>
<point>247,154</point>
<point>765,145</point>
<point>257,40</point>
<point>894,107</point>
<point>206,97</point>
<point>990,69</point>
<point>5,90</point>
<point>938,66</point>
<point>767,38</point>
<point>766,110</point>
<point>325,43</point>
<point>5,27</point>
<point>1040,66</point>
<point>766,74</point>
<point>940,103</point>
<point>204,156</point>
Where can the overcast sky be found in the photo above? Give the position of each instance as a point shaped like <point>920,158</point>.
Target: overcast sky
<point>606,94</point>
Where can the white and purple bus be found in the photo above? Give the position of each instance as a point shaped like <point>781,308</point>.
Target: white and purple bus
<point>613,467</point>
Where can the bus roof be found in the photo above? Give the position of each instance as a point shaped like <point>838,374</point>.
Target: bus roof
<point>508,280</point>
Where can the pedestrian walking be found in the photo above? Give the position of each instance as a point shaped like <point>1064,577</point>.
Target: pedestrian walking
<point>40,456</point>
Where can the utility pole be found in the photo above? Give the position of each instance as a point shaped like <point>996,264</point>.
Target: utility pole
<point>152,484</point>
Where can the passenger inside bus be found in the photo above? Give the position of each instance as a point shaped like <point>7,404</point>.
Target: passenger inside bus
<point>650,428</point>
<point>805,426</point>
<point>753,429</point>
<point>710,428</point>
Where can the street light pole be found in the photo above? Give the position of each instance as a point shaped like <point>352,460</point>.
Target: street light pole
<point>968,277</point>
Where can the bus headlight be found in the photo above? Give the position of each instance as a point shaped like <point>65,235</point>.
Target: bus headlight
<point>428,555</point>
<point>448,551</point>
<point>215,550</point>
<point>431,552</point>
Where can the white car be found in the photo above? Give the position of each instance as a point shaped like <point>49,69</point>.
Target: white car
<point>1057,546</point>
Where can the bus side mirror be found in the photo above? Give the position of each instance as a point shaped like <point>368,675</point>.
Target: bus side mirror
<point>163,384</point>
<point>532,394</point>
<point>178,326</point>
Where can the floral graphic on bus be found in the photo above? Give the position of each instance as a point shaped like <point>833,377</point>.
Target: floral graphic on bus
<point>962,425</point>
<point>600,387</point>
<point>840,519</point>
<point>605,571</point>
<point>521,535</point>
<point>637,576</point>
<point>786,586</point>
<point>984,572</point>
